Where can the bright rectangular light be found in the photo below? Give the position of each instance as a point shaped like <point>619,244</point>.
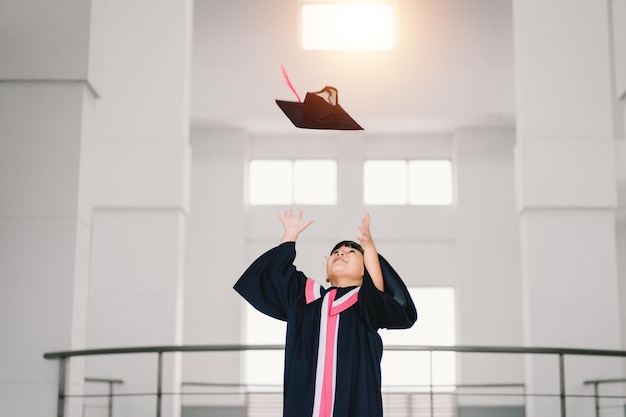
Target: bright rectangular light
<point>300,181</point>
<point>347,26</point>
<point>315,182</point>
<point>385,182</point>
<point>271,182</point>
<point>412,182</point>
<point>430,182</point>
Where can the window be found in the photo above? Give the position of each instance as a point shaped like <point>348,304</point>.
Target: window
<point>436,309</point>
<point>402,182</point>
<point>437,327</point>
<point>263,367</point>
<point>360,25</point>
<point>301,181</point>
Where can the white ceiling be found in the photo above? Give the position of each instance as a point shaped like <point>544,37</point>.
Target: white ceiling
<point>452,66</point>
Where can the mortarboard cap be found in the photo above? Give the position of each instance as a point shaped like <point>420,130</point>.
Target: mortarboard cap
<point>320,110</point>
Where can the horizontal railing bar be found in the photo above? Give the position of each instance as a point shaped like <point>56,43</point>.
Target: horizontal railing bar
<point>511,349</point>
<point>240,385</point>
<point>604,381</point>
<point>128,394</point>
<point>104,380</point>
<point>178,394</point>
<point>456,394</point>
<point>538,395</point>
<point>160,349</point>
<point>236,348</point>
<point>225,384</point>
<point>494,385</point>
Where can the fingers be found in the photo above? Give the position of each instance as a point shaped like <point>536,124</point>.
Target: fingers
<point>365,224</point>
<point>288,215</point>
<point>364,228</point>
<point>366,219</point>
<point>289,219</point>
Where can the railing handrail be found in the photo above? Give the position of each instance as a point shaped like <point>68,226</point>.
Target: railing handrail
<point>241,347</point>
<point>604,381</point>
<point>561,352</point>
<point>105,380</point>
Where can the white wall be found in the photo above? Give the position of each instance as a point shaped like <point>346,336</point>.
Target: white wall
<point>142,161</point>
<point>472,246</point>
<point>488,280</point>
<point>215,254</point>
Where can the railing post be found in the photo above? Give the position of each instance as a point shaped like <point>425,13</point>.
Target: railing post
<point>111,398</point>
<point>562,382</point>
<point>159,384</point>
<point>596,393</point>
<point>432,399</point>
<point>62,384</point>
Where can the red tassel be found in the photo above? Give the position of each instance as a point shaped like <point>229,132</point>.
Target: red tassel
<point>282,67</point>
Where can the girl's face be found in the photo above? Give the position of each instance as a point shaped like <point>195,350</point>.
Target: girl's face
<point>344,267</point>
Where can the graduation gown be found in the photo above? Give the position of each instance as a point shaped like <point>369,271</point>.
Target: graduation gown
<point>332,349</point>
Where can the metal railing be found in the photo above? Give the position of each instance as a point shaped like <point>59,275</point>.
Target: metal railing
<point>560,353</point>
<point>110,392</point>
<point>596,390</point>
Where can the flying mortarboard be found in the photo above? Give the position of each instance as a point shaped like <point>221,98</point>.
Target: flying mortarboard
<point>320,110</point>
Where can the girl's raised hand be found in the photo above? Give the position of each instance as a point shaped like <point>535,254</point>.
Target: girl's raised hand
<point>366,236</point>
<point>293,225</point>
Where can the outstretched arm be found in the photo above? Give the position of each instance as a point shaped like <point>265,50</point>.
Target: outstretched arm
<point>293,225</point>
<point>370,254</point>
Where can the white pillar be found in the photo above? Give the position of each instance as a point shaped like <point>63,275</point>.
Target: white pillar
<point>48,87</point>
<point>489,283</point>
<point>566,193</point>
<point>216,254</point>
<point>141,185</point>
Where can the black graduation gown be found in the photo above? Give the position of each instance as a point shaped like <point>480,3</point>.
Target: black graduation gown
<point>332,350</point>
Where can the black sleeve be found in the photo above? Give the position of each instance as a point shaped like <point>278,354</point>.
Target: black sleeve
<point>272,284</point>
<point>392,308</point>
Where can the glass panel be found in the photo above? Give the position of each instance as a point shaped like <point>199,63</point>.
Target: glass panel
<point>436,310</point>
<point>385,182</point>
<point>271,182</point>
<point>315,182</point>
<point>364,26</point>
<point>430,182</point>
<point>369,26</point>
<point>263,367</point>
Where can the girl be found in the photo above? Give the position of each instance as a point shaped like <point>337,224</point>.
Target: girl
<point>332,350</point>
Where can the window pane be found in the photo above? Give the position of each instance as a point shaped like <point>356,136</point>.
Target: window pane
<point>430,182</point>
<point>365,26</point>
<point>263,367</point>
<point>370,26</point>
<point>315,182</point>
<point>385,182</point>
<point>271,182</point>
<point>435,306</point>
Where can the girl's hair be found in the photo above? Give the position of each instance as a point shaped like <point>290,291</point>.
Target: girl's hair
<point>349,244</point>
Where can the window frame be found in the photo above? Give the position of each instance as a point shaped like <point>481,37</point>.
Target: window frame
<point>331,200</point>
<point>349,42</point>
<point>407,200</point>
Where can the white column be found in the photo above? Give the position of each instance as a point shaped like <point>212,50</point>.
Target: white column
<point>141,186</point>
<point>216,255</point>
<point>566,193</point>
<point>489,282</point>
<point>47,104</point>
